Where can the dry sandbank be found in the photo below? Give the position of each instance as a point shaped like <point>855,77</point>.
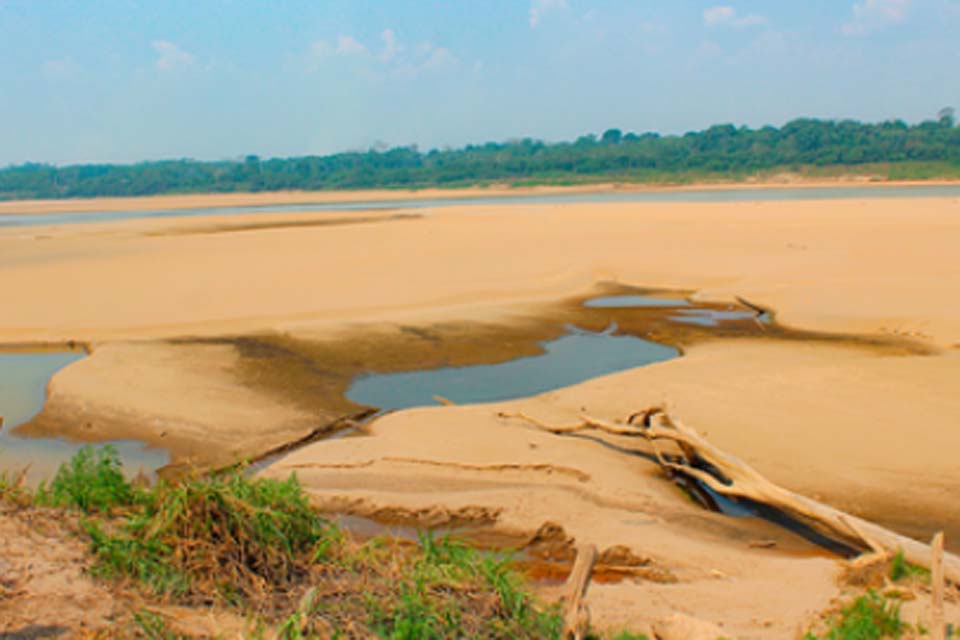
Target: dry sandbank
<point>854,266</point>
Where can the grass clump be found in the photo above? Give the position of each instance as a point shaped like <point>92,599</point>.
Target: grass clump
<point>230,538</point>
<point>92,480</point>
<point>900,569</point>
<point>439,589</point>
<point>869,617</point>
<point>13,491</point>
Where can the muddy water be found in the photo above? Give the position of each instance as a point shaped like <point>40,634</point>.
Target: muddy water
<point>23,382</point>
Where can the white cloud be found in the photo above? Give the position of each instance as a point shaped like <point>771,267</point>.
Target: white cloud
<point>426,57</point>
<point>170,56</point>
<point>391,46</point>
<point>348,46</point>
<point>726,16</point>
<point>320,50</point>
<point>393,58</point>
<point>540,8</point>
<point>871,15</point>
<point>435,57</point>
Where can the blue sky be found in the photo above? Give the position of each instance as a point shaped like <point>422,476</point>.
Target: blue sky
<point>126,80</point>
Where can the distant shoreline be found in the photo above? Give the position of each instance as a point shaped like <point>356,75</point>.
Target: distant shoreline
<point>265,198</point>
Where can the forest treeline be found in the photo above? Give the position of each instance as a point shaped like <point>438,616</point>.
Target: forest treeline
<point>722,151</point>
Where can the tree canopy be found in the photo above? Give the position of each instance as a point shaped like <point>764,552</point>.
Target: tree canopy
<point>721,150</point>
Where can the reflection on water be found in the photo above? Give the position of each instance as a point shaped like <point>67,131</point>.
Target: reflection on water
<point>23,384</point>
<point>699,195</point>
<point>712,317</point>
<point>632,301</point>
<point>571,359</point>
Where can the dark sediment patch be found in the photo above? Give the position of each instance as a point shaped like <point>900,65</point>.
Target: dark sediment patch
<point>232,227</point>
<point>314,374</point>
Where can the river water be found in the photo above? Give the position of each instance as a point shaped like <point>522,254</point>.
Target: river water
<point>666,195</point>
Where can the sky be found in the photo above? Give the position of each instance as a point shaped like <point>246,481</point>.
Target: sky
<point>125,80</point>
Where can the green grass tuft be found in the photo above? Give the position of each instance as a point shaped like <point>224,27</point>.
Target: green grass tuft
<point>451,590</point>
<point>900,569</point>
<point>231,537</point>
<point>869,617</point>
<point>92,480</point>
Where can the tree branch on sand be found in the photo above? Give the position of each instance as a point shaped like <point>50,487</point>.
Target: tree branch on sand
<point>684,455</point>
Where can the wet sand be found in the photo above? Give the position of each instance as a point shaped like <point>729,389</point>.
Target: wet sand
<point>202,200</point>
<point>867,428</point>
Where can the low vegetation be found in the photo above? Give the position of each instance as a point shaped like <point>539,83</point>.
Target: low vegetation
<point>255,546</point>
<point>900,569</point>
<point>869,617</point>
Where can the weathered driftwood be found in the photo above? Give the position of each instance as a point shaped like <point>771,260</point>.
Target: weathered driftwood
<point>729,476</point>
<point>938,625</point>
<point>576,618</point>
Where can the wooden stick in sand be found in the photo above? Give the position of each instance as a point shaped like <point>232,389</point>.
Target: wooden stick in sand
<point>576,618</point>
<point>939,626</point>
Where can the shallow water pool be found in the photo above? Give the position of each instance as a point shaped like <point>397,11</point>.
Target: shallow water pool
<point>634,302</point>
<point>570,359</point>
<point>23,385</point>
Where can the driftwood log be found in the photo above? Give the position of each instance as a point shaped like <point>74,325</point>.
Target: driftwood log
<point>576,617</point>
<point>691,457</point>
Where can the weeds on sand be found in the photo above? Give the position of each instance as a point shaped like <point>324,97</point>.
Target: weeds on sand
<point>13,489</point>
<point>92,480</point>
<point>438,589</point>
<point>257,545</point>
<point>230,538</point>
<point>869,617</point>
<point>901,569</point>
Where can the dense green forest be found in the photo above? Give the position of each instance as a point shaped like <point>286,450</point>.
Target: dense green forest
<point>927,149</point>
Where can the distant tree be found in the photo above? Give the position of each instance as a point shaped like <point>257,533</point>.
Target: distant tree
<point>612,136</point>
<point>947,117</point>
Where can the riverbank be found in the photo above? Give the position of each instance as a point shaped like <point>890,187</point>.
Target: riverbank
<point>858,426</point>
<point>94,554</point>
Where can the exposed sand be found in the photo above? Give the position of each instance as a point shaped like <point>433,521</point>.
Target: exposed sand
<point>183,398</point>
<point>862,266</point>
<point>865,430</point>
<point>46,590</point>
